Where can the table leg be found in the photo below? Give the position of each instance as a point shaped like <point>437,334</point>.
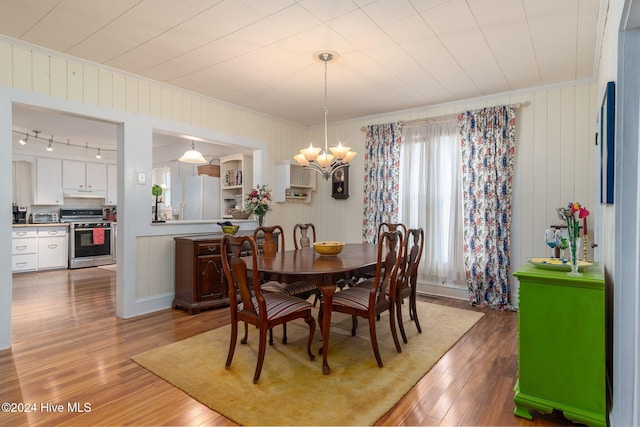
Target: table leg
<point>327,301</point>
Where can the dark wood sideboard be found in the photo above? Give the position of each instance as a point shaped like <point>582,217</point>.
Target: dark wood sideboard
<point>199,276</point>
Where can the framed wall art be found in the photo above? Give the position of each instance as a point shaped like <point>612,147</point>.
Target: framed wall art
<point>607,143</point>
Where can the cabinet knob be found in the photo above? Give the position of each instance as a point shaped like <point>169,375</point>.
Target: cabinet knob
<point>52,246</point>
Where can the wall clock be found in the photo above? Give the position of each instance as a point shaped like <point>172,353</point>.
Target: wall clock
<point>340,183</point>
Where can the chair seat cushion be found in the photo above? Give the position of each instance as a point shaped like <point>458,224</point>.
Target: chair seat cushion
<point>295,288</point>
<point>357,297</point>
<point>280,305</point>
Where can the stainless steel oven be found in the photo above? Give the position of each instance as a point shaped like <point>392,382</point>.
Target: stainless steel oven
<point>91,241</point>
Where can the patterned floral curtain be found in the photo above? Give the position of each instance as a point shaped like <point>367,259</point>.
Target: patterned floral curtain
<point>488,147</point>
<point>381,178</point>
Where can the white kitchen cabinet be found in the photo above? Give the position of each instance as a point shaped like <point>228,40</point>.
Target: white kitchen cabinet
<point>84,176</point>
<point>293,182</point>
<point>52,247</point>
<point>112,185</point>
<point>24,249</point>
<point>48,188</point>
<point>236,180</point>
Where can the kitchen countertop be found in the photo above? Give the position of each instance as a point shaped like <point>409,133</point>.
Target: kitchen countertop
<point>48,224</point>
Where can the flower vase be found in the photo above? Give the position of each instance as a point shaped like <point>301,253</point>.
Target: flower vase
<point>574,248</point>
<point>260,220</point>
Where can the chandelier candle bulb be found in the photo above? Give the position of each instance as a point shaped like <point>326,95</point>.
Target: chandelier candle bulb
<point>350,155</point>
<point>324,160</point>
<point>302,161</point>
<point>311,153</point>
<point>340,151</point>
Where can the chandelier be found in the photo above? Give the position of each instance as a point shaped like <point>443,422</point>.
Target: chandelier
<point>324,163</point>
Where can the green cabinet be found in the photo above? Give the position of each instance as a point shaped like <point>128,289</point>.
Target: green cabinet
<point>561,345</point>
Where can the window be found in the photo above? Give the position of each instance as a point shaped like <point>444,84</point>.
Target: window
<point>431,197</point>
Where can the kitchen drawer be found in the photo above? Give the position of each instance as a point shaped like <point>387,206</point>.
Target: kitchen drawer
<point>52,231</point>
<point>208,248</point>
<point>24,233</point>
<point>26,262</point>
<point>24,246</point>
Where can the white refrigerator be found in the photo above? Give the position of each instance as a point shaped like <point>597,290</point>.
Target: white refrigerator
<point>200,197</point>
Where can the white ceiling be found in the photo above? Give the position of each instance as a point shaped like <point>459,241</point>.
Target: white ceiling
<point>261,54</point>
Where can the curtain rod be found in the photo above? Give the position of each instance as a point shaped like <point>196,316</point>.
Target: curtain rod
<point>443,117</point>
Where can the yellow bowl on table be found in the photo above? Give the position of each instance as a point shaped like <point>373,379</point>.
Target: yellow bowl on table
<point>230,229</point>
<point>328,248</point>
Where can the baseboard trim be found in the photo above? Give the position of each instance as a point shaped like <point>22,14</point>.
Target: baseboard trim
<point>443,290</point>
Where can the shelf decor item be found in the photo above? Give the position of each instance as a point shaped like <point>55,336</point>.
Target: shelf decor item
<point>238,214</point>
<point>258,202</point>
<point>572,214</point>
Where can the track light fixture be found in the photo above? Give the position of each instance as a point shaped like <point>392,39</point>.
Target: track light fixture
<point>35,135</point>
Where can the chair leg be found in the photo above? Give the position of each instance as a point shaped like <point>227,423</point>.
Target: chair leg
<point>270,336</point>
<point>262,347</point>
<point>232,344</point>
<point>312,329</point>
<point>392,325</point>
<point>246,333</point>
<point>374,341</point>
<point>284,333</point>
<point>354,325</point>
<point>412,304</point>
<point>399,319</point>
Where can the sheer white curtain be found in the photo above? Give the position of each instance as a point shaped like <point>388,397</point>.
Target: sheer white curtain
<point>431,197</point>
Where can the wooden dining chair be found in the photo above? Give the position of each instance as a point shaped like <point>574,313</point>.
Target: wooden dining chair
<point>250,305</point>
<point>279,285</point>
<point>407,278</point>
<point>370,302</point>
<point>367,279</point>
<point>301,238</point>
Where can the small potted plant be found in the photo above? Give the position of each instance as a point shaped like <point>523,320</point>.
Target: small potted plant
<point>156,191</point>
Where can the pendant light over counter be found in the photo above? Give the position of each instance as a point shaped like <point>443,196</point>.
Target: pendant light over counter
<point>193,155</point>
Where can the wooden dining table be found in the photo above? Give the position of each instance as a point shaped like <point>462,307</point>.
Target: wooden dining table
<point>356,259</point>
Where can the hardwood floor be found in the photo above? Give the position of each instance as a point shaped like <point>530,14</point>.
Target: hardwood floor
<point>70,349</point>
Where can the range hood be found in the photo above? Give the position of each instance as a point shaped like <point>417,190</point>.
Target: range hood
<point>74,193</point>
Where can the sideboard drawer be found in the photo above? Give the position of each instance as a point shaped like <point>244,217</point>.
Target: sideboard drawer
<point>208,248</point>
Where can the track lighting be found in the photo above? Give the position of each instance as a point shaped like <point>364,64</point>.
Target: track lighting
<point>25,138</point>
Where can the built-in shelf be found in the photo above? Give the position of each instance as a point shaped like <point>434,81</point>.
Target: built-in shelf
<point>236,177</point>
<point>293,182</point>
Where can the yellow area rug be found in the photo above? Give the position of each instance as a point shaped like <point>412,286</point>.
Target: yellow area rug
<point>292,389</point>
